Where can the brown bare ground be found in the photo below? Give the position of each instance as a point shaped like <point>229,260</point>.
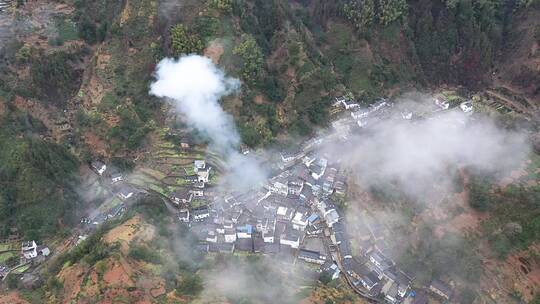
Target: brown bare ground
<point>321,293</point>
<point>12,297</point>
<point>96,144</point>
<point>517,272</point>
<point>128,231</point>
<point>214,51</point>
<point>259,99</point>
<point>72,278</point>
<point>117,275</point>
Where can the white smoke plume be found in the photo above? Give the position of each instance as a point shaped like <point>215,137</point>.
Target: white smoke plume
<point>194,85</point>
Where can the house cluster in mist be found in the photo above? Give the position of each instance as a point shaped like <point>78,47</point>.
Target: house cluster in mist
<point>279,218</point>
<point>295,215</point>
<point>383,109</point>
<point>113,179</point>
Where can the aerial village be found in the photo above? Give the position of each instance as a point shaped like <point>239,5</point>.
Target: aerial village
<point>293,216</point>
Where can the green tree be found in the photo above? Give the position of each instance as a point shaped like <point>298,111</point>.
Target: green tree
<point>252,59</point>
<point>222,5</point>
<point>183,42</point>
<point>391,10</point>
<point>479,197</point>
<point>361,15</point>
<point>190,285</point>
<point>88,30</point>
<point>536,300</point>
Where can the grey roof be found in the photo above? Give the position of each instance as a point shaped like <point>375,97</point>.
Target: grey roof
<point>200,210</point>
<point>258,244</point>
<point>338,227</point>
<point>202,247</point>
<point>345,249</point>
<point>191,178</point>
<point>371,279</point>
<point>381,259</point>
<point>244,245</point>
<point>309,254</point>
<point>226,247</point>
<point>271,248</point>
<point>392,292</point>
<point>442,287</point>
<point>291,234</point>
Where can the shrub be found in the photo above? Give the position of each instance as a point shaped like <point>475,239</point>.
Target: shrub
<point>88,30</point>
<point>143,253</point>
<point>190,285</point>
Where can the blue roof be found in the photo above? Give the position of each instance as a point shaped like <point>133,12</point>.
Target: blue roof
<point>312,218</point>
<point>247,228</point>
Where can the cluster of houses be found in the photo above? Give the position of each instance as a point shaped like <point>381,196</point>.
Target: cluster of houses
<point>274,218</point>
<point>193,201</point>
<point>291,209</point>
<point>123,191</point>
<point>382,108</point>
<point>31,253</point>
<point>296,206</point>
<point>116,179</point>
<point>277,218</point>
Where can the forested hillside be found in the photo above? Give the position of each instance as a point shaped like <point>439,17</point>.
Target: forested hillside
<point>75,77</point>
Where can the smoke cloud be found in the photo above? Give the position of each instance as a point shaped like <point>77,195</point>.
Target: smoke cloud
<point>194,85</point>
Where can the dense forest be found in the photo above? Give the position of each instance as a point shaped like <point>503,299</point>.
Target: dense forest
<point>38,181</point>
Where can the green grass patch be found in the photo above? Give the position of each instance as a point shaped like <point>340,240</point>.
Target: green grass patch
<point>166,145</point>
<point>67,30</point>
<point>6,246</point>
<point>21,269</point>
<point>157,189</point>
<point>6,256</point>
<point>306,68</point>
<point>180,182</point>
<point>115,202</point>
<point>189,170</point>
<point>213,179</point>
<point>197,203</point>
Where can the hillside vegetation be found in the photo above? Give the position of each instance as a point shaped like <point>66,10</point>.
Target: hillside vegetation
<point>75,88</point>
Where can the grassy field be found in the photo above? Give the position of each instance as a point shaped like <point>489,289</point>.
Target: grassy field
<point>67,30</point>
<point>6,246</point>
<point>189,170</point>
<point>5,256</point>
<point>158,189</point>
<point>21,269</point>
